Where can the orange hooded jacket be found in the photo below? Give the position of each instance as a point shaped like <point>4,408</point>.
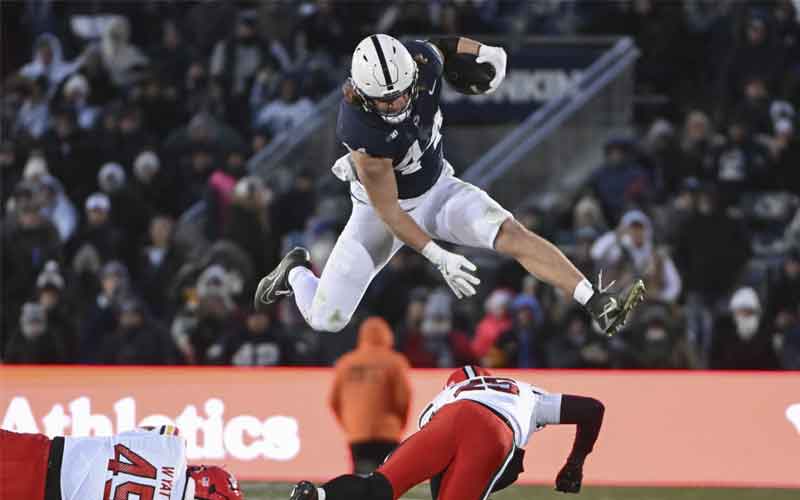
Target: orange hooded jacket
<point>371,393</point>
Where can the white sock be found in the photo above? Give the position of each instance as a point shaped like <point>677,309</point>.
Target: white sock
<point>304,285</point>
<point>583,292</point>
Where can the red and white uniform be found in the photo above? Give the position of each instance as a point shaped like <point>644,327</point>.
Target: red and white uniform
<point>524,407</point>
<point>469,434</point>
<point>142,462</point>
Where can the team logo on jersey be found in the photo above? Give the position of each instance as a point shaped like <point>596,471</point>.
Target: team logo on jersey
<point>392,136</point>
<point>416,120</point>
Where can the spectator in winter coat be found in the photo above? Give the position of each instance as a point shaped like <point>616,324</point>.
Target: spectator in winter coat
<point>711,248</point>
<point>494,324</point>
<point>33,117</point>
<point>739,165</point>
<point>156,184</point>
<point>101,319</point>
<point>128,207</point>
<point>76,99</point>
<point>28,242</point>
<point>36,341</point>
<point>159,262</point>
<point>620,180</point>
<point>48,62</point>
<point>138,339</point>
<point>436,342</point>
<point>236,61</point>
<point>285,112</point>
<point>206,318</point>
<point>629,253</point>
<point>258,343</point>
<point>521,346</point>
<point>123,61</point>
<point>97,235</point>
<point>52,295</point>
<point>248,223</point>
<point>371,395</point>
<point>742,340</point>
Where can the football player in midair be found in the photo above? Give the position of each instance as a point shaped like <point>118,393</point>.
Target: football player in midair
<point>147,463</point>
<point>471,442</point>
<point>404,192</point>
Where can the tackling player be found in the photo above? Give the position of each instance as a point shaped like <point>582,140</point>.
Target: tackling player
<point>471,441</point>
<point>404,191</point>
<point>146,464</point>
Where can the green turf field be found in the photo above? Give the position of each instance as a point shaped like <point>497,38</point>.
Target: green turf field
<point>277,491</point>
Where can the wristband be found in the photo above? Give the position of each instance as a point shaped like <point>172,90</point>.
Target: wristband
<point>583,292</point>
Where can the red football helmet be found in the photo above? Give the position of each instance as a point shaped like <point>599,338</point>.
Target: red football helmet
<point>466,373</point>
<point>214,483</point>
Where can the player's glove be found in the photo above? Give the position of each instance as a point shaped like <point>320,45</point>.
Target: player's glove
<point>569,478</point>
<point>611,310</point>
<point>496,56</point>
<point>455,269</point>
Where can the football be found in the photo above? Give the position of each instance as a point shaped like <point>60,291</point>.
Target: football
<point>467,76</point>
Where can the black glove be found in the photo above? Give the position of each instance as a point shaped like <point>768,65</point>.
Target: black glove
<point>569,478</point>
<point>611,310</point>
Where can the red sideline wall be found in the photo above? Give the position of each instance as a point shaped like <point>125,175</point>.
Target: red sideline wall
<point>661,428</point>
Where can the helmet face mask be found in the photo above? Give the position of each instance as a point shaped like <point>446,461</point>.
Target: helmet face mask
<point>373,104</point>
<point>382,72</point>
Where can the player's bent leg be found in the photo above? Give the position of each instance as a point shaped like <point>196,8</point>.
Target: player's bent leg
<point>485,448</point>
<point>360,252</point>
<point>344,281</point>
<point>538,256</point>
<point>460,213</point>
<point>426,453</point>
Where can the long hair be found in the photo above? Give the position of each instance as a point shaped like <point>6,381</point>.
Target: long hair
<point>350,94</point>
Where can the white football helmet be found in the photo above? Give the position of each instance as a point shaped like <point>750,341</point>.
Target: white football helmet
<point>383,70</point>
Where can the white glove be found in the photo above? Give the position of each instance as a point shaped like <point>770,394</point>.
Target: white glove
<point>496,56</point>
<point>452,266</point>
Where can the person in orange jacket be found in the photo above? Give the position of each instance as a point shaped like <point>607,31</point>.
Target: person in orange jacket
<point>371,395</point>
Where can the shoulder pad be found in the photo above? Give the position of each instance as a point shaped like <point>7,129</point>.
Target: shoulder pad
<point>358,132</point>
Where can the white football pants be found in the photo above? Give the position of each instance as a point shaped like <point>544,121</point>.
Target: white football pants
<point>452,210</point>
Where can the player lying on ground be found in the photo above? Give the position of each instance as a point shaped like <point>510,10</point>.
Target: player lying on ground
<point>471,441</point>
<point>404,191</point>
<point>144,463</point>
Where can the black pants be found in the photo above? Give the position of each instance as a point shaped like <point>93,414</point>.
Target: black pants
<point>368,455</point>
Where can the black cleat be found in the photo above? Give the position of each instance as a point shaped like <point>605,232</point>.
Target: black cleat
<point>304,490</point>
<point>610,310</point>
<point>276,284</point>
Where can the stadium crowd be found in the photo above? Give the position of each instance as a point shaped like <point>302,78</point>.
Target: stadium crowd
<point>127,116</point>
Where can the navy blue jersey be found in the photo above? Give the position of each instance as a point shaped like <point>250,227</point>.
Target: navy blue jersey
<point>415,145</point>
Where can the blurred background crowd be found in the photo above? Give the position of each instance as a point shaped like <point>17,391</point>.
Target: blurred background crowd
<point>122,116</point>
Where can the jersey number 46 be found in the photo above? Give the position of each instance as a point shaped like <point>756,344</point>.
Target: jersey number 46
<point>133,465</point>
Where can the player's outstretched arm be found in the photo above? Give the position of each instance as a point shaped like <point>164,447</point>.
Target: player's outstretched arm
<point>587,414</point>
<point>377,176</point>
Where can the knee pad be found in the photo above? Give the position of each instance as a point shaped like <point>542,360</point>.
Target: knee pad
<point>347,274</point>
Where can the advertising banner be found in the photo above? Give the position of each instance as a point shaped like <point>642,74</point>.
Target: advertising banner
<point>660,428</point>
<point>535,74</point>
